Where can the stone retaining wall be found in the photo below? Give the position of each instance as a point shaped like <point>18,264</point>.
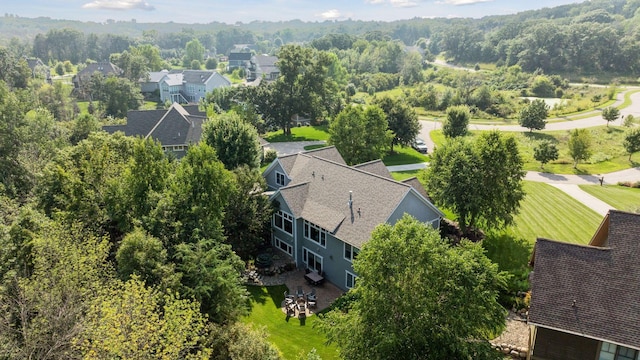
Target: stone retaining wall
<point>512,351</point>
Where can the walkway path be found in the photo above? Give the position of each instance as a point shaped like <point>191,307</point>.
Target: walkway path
<point>589,200</point>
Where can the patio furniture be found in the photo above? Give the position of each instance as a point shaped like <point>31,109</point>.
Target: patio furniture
<point>312,295</point>
<point>299,292</point>
<point>314,278</point>
<point>288,296</point>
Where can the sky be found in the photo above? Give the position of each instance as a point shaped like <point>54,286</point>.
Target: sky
<point>230,11</point>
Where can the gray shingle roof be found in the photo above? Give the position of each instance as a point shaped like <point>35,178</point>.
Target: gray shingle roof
<point>175,126</point>
<point>240,56</point>
<point>591,290</point>
<point>320,189</point>
<point>375,167</point>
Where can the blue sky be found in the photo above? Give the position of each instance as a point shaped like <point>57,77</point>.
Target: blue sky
<point>205,11</point>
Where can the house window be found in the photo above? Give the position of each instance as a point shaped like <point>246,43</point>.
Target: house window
<point>315,233</point>
<point>280,178</point>
<point>312,260</point>
<point>284,246</point>
<point>350,280</point>
<point>283,221</point>
<point>350,252</point>
<point>610,351</point>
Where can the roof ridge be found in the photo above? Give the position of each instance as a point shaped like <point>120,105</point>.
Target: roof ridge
<point>165,116</point>
<point>367,163</point>
<point>586,246</point>
<point>363,171</point>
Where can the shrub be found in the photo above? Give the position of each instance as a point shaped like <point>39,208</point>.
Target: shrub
<point>269,156</point>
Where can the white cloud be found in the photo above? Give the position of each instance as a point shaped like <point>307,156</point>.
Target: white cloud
<point>403,3</point>
<point>118,5</point>
<point>461,2</point>
<point>394,3</point>
<point>331,14</point>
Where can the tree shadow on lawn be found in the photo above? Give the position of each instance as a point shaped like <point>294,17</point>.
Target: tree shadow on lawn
<point>263,294</point>
<point>539,136</point>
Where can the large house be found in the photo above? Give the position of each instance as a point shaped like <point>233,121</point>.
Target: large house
<point>104,68</point>
<point>263,67</point>
<point>239,59</point>
<point>585,299</point>
<point>183,86</point>
<point>176,128</point>
<point>39,69</point>
<point>327,209</point>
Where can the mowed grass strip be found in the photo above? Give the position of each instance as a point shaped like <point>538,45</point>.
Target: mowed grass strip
<point>403,155</point>
<point>302,133</point>
<point>620,197</point>
<point>548,212</point>
<point>292,336</point>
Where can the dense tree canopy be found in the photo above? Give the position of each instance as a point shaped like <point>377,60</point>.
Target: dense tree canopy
<point>418,296</point>
<point>234,140</point>
<point>480,181</point>
<point>402,119</point>
<point>360,134</point>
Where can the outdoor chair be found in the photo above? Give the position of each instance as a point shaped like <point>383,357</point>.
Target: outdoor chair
<point>299,292</point>
<point>312,295</point>
<point>288,296</point>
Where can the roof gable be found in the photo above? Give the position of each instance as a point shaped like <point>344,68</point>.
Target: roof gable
<point>175,126</point>
<point>375,167</point>
<point>591,290</point>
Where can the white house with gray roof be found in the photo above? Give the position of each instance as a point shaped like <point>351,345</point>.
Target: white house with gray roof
<point>328,210</point>
<point>183,86</point>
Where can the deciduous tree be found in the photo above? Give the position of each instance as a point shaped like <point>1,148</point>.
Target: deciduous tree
<point>457,121</point>
<point>579,146</point>
<point>360,134</point>
<point>544,152</point>
<point>610,114</point>
<point>131,321</point>
<point>533,116</point>
<point>234,140</point>
<point>632,141</point>
<point>419,296</point>
<point>480,182</point>
<point>402,119</point>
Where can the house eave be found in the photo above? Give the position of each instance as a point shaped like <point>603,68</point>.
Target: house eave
<point>583,335</point>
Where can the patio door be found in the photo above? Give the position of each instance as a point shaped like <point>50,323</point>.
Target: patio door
<point>312,260</point>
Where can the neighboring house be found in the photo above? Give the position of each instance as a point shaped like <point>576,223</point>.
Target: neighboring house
<point>176,128</point>
<point>183,86</point>
<point>327,209</point>
<point>105,68</point>
<point>39,69</point>
<point>264,67</point>
<point>239,60</point>
<point>585,299</point>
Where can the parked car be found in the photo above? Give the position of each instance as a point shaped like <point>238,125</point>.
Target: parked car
<point>419,145</point>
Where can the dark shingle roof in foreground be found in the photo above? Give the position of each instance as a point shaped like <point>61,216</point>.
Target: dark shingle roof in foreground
<point>591,290</point>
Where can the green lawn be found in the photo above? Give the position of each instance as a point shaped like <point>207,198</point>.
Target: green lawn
<point>292,336</point>
<point>608,152</point>
<point>404,155</point>
<point>620,197</point>
<point>403,175</point>
<point>302,133</point>
<point>550,213</point>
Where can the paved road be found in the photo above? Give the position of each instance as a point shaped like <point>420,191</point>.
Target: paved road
<point>566,183</point>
